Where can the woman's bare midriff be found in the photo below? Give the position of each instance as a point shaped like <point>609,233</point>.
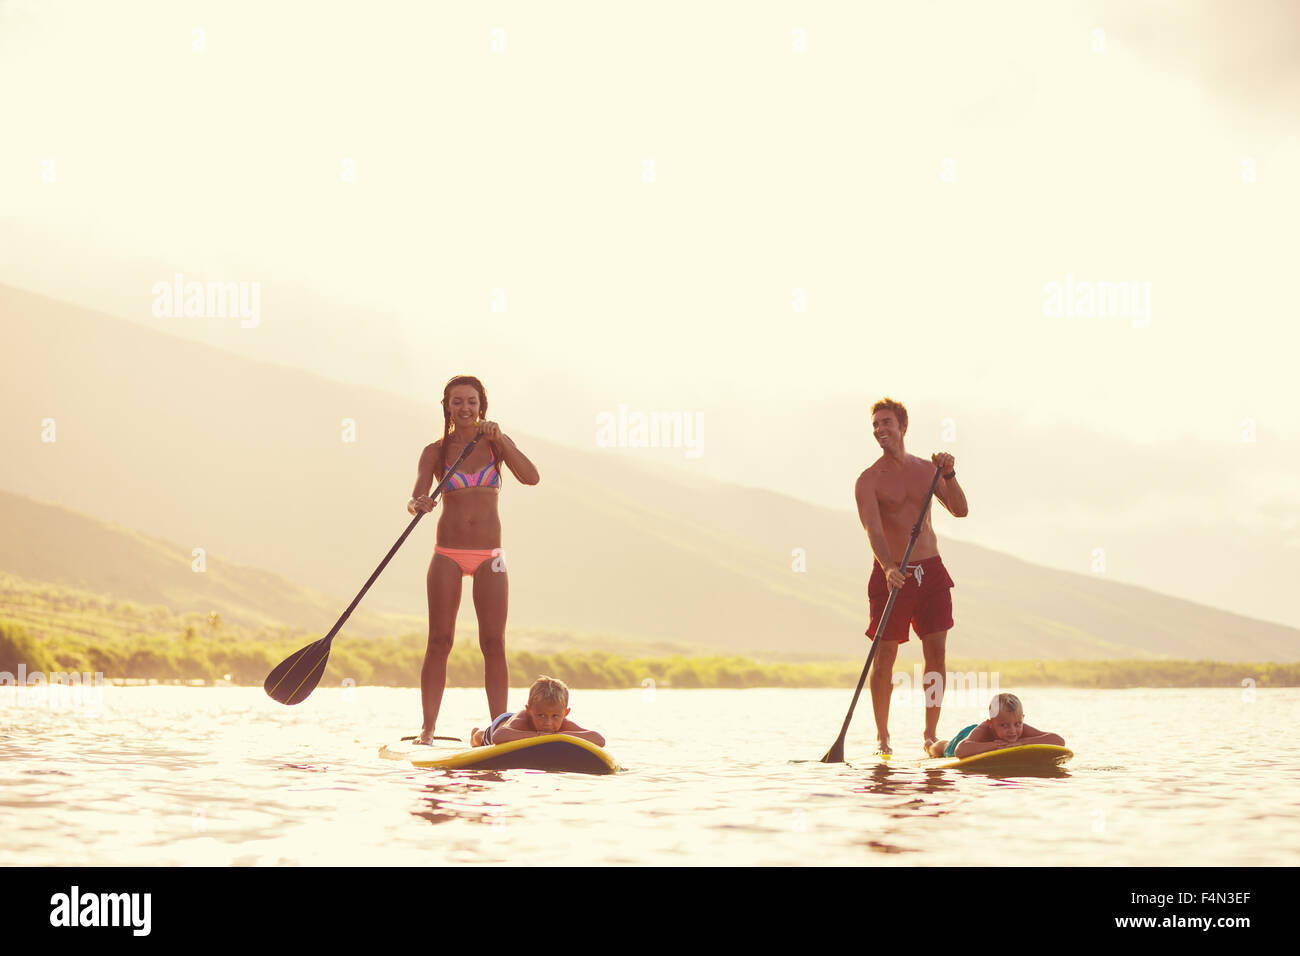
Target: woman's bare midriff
<point>470,519</point>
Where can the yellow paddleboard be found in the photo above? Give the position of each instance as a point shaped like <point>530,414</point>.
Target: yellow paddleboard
<point>548,752</point>
<point>1025,758</point>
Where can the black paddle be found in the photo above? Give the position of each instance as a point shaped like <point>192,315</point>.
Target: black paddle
<point>836,753</point>
<point>298,674</point>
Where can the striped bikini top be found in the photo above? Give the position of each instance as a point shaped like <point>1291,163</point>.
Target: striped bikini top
<point>487,477</point>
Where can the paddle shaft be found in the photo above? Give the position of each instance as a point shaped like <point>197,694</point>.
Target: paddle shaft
<point>880,628</point>
<point>303,669</point>
<point>405,534</point>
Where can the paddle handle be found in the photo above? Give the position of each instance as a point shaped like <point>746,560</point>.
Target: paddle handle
<point>328,638</point>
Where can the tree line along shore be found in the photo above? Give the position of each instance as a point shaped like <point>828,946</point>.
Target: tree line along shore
<point>196,658</point>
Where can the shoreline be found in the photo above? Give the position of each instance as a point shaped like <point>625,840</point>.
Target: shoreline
<point>607,672</point>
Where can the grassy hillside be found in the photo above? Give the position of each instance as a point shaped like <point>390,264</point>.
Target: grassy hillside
<point>52,629</point>
<point>395,662</point>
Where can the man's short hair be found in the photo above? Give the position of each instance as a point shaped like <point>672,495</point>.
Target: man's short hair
<point>888,404</point>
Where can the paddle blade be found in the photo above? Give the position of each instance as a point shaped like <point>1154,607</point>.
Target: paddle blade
<point>836,753</point>
<point>298,674</point>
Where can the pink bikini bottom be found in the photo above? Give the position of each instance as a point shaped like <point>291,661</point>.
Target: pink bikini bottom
<point>469,559</point>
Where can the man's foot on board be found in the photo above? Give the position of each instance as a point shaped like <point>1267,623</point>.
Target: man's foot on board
<point>425,739</point>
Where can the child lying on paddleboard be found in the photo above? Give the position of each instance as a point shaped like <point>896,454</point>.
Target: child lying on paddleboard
<point>548,706</point>
<point>1005,727</point>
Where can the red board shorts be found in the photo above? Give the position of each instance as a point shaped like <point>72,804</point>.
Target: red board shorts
<point>925,600</point>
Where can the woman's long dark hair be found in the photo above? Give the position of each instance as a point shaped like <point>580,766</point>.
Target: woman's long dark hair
<point>446,410</point>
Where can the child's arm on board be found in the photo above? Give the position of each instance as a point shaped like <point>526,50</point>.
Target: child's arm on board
<point>573,730</point>
<point>969,748</point>
<point>1031,735</point>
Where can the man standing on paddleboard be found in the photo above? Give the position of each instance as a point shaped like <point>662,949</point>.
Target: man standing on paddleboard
<point>891,495</point>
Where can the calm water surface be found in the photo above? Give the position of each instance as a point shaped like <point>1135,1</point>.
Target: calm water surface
<point>217,776</point>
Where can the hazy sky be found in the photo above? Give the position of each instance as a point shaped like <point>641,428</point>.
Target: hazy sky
<point>760,216</point>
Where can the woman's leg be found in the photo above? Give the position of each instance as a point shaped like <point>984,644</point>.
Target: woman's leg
<point>491,594</point>
<point>443,585</point>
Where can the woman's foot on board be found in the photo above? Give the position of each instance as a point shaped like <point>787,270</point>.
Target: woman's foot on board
<point>883,748</point>
<point>927,742</point>
<point>425,738</point>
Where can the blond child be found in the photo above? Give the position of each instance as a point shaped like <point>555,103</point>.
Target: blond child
<point>546,713</point>
<point>1005,727</point>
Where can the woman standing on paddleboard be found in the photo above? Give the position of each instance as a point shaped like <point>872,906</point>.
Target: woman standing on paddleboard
<point>469,541</point>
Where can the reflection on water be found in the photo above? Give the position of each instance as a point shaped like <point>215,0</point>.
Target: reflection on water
<point>889,780</point>
<point>221,776</point>
<point>455,798</point>
<point>892,780</point>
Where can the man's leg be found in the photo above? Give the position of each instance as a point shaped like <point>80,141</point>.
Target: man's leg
<point>882,688</point>
<point>934,647</point>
